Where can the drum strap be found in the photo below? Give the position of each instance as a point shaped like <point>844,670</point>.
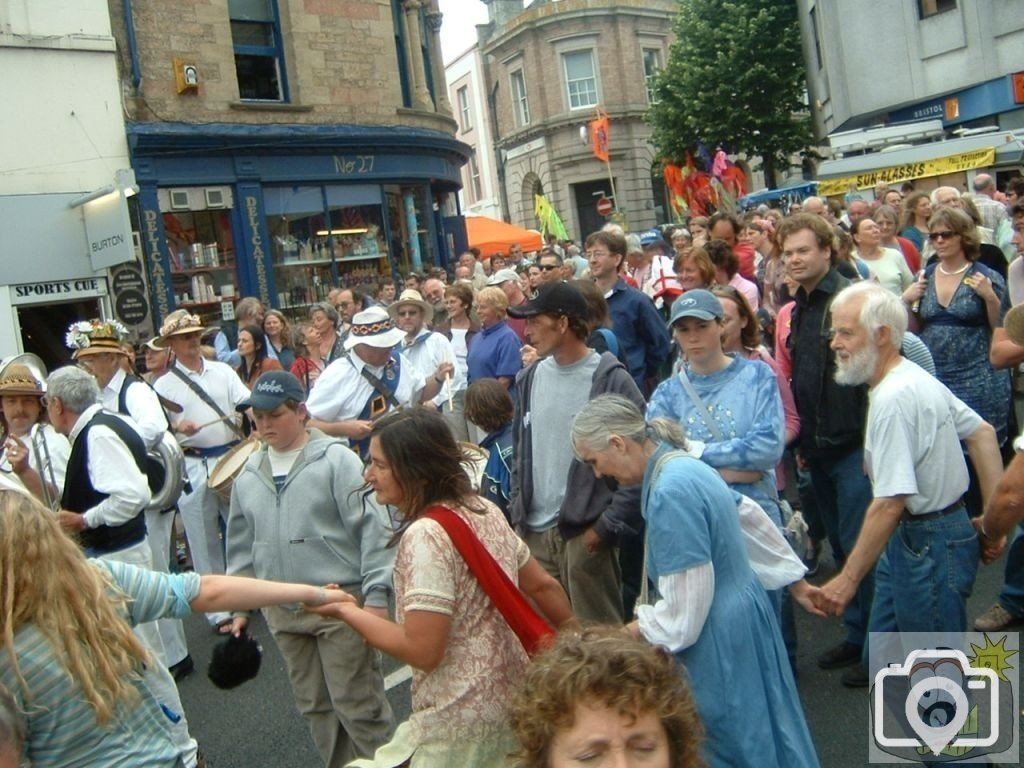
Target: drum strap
<point>205,397</point>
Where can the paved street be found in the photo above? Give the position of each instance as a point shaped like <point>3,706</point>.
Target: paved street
<point>257,725</point>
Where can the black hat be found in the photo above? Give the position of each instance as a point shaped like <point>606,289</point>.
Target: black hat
<point>555,299</point>
<point>234,661</point>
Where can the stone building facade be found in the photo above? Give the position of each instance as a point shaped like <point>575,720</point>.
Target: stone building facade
<point>552,66</point>
<point>283,147</point>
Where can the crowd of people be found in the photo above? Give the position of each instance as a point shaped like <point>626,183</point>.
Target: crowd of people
<point>578,455</point>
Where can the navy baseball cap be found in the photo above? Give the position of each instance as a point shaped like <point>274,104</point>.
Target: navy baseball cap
<point>555,299</point>
<point>273,389</point>
<point>703,305</point>
<point>652,237</point>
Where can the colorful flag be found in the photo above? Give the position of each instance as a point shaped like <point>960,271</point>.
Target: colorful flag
<point>599,137</point>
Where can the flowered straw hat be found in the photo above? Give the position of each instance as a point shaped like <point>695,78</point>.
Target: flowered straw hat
<point>178,323</point>
<point>94,337</point>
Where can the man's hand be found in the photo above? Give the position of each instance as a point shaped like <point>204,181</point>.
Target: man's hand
<point>237,626</point>
<point>591,541</point>
<point>444,369</point>
<point>187,427</point>
<point>72,522</point>
<point>17,454</point>
<point>833,597</point>
<point>359,430</point>
<point>991,549</point>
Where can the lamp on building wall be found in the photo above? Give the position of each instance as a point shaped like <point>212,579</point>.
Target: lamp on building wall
<point>186,76</point>
<point>124,183</point>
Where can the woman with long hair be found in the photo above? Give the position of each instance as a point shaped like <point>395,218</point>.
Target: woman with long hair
<point>76,670</point>
<point>279,338</point>
<point>308,364</point>
<point>256,359</point>
<point>694,269</point>
<point>713,612</point>
<point>466,659</point>
<point>917,207</point>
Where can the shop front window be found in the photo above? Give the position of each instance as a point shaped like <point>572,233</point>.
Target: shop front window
<point>322,237</point>
<point>204,272</point>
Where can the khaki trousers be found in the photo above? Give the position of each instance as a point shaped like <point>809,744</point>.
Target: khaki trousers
<point>593,581</point>
<point>337,681</point>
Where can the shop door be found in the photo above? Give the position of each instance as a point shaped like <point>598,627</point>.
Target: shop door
<point>43,327</point>
<point>586,196</point>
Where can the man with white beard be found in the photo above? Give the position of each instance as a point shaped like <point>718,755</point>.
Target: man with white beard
<point>925,573</point>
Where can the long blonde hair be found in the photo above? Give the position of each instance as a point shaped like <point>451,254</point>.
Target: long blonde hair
<point>46,582</point>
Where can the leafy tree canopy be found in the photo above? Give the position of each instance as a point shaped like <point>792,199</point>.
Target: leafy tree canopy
<point>735,78</point>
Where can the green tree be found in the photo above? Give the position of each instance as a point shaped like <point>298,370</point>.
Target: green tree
<point>735,77</point>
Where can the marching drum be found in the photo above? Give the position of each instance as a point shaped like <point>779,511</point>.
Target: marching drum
<point>224,472</point>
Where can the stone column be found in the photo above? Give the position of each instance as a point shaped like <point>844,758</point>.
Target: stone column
<point>437,59</point>
<point>414,56</point>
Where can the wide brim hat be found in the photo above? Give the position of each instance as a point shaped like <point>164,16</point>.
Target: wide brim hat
<point>374,328</point>
<point>179,323</point>
<point>18,381</point>
<point>410,296</point>
<point>96,337</point>
<point>1014,325</point>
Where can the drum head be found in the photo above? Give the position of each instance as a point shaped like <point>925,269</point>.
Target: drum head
<point>231,463</point>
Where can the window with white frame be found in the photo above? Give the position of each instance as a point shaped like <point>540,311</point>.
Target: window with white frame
<point>580,79</point>
<point>652,65</point>
<point>464,114</point>
<point>519,103</point>
<point>259,54</point>
<point>474,175</point>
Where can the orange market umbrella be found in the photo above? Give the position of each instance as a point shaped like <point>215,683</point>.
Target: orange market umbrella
<point>493,236</point>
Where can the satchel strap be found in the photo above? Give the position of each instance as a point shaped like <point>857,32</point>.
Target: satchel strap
<point>702,409</point>
<point>533,631</point>
<point>203,395</point>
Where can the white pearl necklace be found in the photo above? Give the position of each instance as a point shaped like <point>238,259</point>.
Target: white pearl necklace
<point>955,272</point>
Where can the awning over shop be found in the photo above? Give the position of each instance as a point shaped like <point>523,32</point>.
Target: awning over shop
<point>491,235</point>
<point>797,191</point>
<point>922,161</point>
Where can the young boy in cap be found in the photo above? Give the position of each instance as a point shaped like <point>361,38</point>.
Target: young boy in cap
<point>296,514</point>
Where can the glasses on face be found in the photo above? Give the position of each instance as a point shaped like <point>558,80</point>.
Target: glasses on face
<point>597,254</point>
<point>547,267</point>
<point>343,304</point>
<point>408,313</point>
<point>945,235</point>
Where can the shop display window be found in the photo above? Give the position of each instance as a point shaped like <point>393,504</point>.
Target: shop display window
<point>204,271</point>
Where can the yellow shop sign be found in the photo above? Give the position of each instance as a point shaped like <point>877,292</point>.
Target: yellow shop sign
<point>897,174</point>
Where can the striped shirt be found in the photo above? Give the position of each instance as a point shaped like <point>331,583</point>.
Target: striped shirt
<point>61,728</point>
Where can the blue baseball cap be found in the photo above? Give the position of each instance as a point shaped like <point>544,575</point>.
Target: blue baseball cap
<point>272,389</point>
<point>652,237</point>
<point>703,305</point>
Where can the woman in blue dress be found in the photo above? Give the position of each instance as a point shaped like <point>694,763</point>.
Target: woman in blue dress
<point>739,417</point>
<point>955,307</point>
<point>713,614</point>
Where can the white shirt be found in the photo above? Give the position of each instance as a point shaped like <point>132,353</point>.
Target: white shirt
<point>224,388</point>
<point>143,404</point>
<point>912,443</point>
<point>112,470</point>
<point>341,392</point>
<point>677,620</point>
<point>58,448</point>
<point>427,353</point>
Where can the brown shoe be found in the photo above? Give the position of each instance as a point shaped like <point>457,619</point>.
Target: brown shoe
<point>995,619</point>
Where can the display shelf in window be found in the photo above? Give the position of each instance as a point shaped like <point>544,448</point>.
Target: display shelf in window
<point>203,264</point>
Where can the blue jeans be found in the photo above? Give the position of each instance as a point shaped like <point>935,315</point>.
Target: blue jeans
<point>925,576</point>
<point>1012,595</point>
<point>843,492</point>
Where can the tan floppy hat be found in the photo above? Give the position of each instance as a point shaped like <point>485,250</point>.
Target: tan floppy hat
<point>414,297</point>
<point>17,380</point>
<point>179,323</point>
<point>94,337</point>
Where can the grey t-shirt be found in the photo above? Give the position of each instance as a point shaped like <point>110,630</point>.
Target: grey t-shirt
<point>558,393</point>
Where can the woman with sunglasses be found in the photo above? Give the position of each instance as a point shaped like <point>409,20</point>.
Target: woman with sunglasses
<point>956,304</point>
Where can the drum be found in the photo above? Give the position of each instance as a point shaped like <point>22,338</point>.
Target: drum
<point>476,459</point>
<point>224,472</point>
